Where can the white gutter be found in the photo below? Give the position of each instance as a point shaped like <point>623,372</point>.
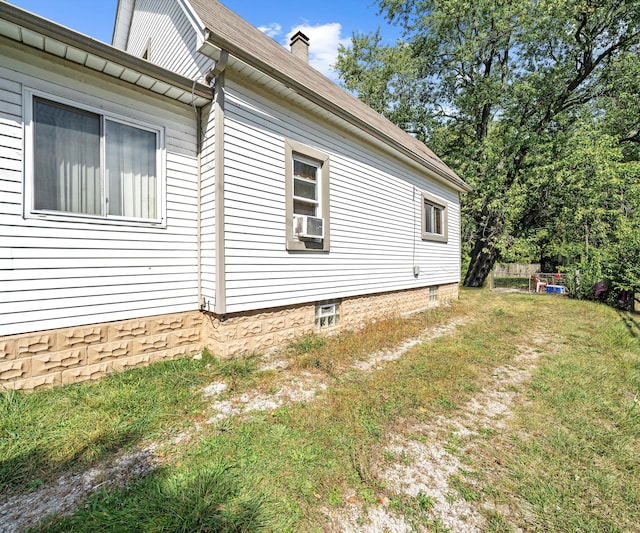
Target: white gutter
<point>49,37</point>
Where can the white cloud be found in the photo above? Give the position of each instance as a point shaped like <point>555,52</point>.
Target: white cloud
<point>272,30</point>
<point>323,45</point>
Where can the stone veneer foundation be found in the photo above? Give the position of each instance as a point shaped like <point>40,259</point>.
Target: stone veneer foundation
<point>71,355</point>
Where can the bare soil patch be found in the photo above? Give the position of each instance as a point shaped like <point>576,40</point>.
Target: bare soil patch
<point>66,493</point>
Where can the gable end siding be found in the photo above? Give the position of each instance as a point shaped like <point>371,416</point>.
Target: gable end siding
<point>172,40</point>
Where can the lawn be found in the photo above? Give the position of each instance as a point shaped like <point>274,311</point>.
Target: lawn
<point>563,454</point>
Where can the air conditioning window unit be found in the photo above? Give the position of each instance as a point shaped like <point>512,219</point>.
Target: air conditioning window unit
<point>306,227</point>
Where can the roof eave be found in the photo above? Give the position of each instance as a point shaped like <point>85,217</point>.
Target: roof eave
<point>108,53</point>
<point>214,43</point>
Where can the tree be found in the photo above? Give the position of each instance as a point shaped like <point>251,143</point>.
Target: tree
<point>490,84</point>
<point>621,104</point>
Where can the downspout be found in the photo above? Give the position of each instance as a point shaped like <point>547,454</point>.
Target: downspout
<point>215,78</point>
<point>199,143</point>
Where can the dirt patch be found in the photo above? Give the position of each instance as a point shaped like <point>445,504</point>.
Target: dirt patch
<point>65,494</point>
<point>375,360</point>
<point>296,389</point>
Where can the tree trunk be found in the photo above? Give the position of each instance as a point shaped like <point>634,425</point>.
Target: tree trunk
<point>483,257</point>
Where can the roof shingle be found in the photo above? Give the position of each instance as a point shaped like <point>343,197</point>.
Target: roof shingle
<point>229,31</point>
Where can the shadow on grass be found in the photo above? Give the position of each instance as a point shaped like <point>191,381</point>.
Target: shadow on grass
<point>205,498</point>
<point>28,469</point>
<point>46,433</point>
<point>631,322</point>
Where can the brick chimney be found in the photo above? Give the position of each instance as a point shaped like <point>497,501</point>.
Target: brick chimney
<point>300,46</point>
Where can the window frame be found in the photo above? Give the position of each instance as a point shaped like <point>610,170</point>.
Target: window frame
<point>317,185</point>
<point>306,154</point>
<point>30,212</point>
<point>439,204</point>
<point>330,319</point>
<point>433,294</point>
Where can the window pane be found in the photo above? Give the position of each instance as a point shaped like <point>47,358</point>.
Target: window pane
<point>304,189</point>
<point>437,215</point>
<point>327,314</point>
<point>428,218</point>
<point>131,171</point>
<point>304,170</point>
<point>66,159</point>
<point>304,208</point>
<point>433,219</point>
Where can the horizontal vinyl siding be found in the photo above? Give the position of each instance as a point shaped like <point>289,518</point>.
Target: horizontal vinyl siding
<point>375,205</point>
<point>10,150</point>
<point>173,40</point>
<point>208,209</point>
<point>66,273</point>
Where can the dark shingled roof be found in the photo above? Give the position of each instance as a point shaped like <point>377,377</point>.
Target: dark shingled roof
<point>230,32</point>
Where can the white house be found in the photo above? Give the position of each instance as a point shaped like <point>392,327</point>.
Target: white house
<point>197,184</point>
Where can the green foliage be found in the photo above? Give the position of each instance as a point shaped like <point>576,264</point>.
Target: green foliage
<point>622,261</point>
<point>236,368</point>
<point>389,75</point>
<point>592,223</point>
<point>307,344</point>
<point>504,92</point>
<point>622,105</point>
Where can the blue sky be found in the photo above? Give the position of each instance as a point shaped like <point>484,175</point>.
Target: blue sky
<point>326,22</point>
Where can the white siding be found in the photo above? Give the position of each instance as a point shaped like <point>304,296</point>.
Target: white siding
<point>172,38</point>
<point>10,151</point>
<point>375,205</point>
<point>67,273</point>
<point>208,212</point>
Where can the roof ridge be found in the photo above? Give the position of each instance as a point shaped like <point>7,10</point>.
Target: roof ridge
<point>241,39</point>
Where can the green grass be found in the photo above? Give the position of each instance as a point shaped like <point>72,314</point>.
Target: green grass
<point>202,498</point>
<point>567,460</point>
<point>573,456</point>
<point>511,283</point>
<point>47,432</point>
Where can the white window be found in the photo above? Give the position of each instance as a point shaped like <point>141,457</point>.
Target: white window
<point>434,219</point>
<point>433,294</point>
<point>306,178</point>
<point>307,198</point>
<point>86,163</point>
<point>433,215</point>
<point>327,314</point>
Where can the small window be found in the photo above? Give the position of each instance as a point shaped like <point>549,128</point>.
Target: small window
<point>306,178</point>
<point>327,314</point>
<point>433,294</point>
<point>307,198</point>
<point>86,163</point>
<point>433,215</point>
<point>434,219</point>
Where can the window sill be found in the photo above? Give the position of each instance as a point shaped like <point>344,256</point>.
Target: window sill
<point>434,237</point>
<point>311,245</point>
<point>79,218</point>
